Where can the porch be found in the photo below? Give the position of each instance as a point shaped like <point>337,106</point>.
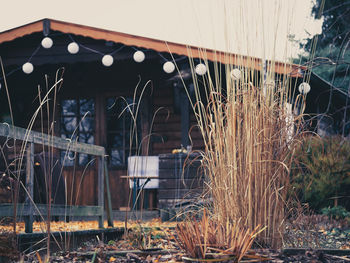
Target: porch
<point>95,104</point>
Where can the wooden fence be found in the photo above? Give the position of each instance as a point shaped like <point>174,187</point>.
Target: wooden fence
<point>29,208</point>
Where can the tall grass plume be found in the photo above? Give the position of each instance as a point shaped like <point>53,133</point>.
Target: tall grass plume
<point>246,120</point>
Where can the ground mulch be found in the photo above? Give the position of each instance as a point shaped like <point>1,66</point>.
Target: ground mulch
<point>317,231</point>
<point>312,239</point>
<point>172,257</point>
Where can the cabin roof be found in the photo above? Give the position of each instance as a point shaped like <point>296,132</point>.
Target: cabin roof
<point>148,43</point>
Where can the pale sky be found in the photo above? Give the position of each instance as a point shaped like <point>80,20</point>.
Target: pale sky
<point>250,27</point>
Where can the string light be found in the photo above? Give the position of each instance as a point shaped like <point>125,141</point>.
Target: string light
<point>27,67</point>
<point>107,60</point>
<point>235,74</point>
<point>139,56</point>
<point>73,48</point>
<point>46,42</point>
<point>270,83</point>
<point>201,69</point>
<point>304,88</point>
<point>169,67</point>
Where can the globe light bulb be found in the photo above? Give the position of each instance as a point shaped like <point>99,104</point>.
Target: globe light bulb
<point>235,74</point>
<point>201,69</point>
<point>169,67</point>
<point>304,88</point>
<point>270,83</point>
<point>107,60</point>
<point>73,48</point>
<point>46,42</point>
<point>27,68</point>
<point>139,56</point>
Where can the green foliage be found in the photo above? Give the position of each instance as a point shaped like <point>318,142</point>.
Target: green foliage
<point>336,212</point>
<point>111,243</point>
<point>336,69</point>
<point>332,53</point>
<point>320,172</point>
<point>145,238</point>
<point>332,64</point>
<point>336,15</point>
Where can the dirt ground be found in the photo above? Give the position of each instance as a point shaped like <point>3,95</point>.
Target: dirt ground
<point>319,240</point>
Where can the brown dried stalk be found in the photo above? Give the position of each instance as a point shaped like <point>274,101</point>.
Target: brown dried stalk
<point>247,125</point>
<point>200,238</point>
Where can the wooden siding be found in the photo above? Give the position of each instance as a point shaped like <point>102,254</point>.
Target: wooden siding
<point>181,179</point>
<point>166,129</point>
<point>81,186</point>
<point>91,80</point>
<point>119,188</point>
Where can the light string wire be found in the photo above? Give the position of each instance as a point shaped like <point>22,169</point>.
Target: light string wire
<point>171,59</point>
<point>39,47</point>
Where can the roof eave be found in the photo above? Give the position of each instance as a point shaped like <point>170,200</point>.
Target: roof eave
<point>148,43</point>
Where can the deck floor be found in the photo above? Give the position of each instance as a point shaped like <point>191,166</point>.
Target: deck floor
<point>61,226</point>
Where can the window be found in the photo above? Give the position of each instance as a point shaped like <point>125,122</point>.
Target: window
<point>77,123</point>
<point>121,130</point>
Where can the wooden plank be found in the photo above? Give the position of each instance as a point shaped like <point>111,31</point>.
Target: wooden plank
<point>81,186</point>
<point>176,135</point>
<point>179,193</point>
<point>6,210</point>
<point>108,193</point>
<point>138,177</point>
<point>161,101</point>
<point>12,34</point>
<point>172,143</point>
<point>164,116</point>
<point>180,184</point>
<point>175,48</point>
<point>176,156</point>
<point>185,119</point>
<point>186,174</point>
<point>29,187</point>
<point>183,158</point>
<point>121,189</point>
<point>167,203</point>
<point>145,125</point>
<point>159,127</point>
<point>171,164</point>
<point>100,191</point>
<point>48,140</point>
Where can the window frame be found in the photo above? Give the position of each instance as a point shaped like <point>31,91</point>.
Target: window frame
<point>78,115</point>
<point>125,148</point>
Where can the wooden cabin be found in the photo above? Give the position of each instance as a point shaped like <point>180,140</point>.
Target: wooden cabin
<point>91,104</point>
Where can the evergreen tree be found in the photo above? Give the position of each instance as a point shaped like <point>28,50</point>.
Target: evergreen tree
<point>332,53</point>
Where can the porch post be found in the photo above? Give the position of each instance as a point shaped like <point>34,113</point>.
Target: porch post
<point>29,186</point>
<point>101,190</point>
<point>185,119</point>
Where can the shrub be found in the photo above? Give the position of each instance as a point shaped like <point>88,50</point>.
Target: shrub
<point>321,172</point>
<point>336,212</point>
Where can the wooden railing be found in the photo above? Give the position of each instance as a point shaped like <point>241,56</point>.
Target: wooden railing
<point>29,208</point>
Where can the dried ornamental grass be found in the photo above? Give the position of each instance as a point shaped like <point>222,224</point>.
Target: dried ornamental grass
<point>247,129</point>
<point>199,239</point>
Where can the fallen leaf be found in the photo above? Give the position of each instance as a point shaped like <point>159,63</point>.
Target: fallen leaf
<point>112,259</point>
